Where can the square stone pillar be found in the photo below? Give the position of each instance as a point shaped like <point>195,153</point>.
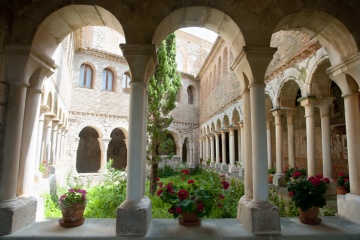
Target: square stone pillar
<point>16,214</point>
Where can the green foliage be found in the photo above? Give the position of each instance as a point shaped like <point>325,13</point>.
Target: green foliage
<point>343,180</point>
<point>166,171</point>
<point>271,170</point>
<point>296,172</point>
<point>74,195</point>
<point>286,207</point>
<point>329,212</point>
<point>51,209</point>
<point>306,193</point>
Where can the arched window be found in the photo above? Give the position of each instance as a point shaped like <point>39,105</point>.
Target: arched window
<point>86,76</point>
<point>126,82</point>
<point>108,80</point>
<point>190,95</point>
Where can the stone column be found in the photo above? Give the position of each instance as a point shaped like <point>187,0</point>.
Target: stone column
<point>268,139</point>
<point>218,164</point>
<point>324,106</point>
<point>39,146</point>
<point>242,147</point>
<point>191,159</point>
<point>352,117</point>
<point>256,213</point>
<point>224,166</point>
<point>248,181</point>
<point>239,145</point>
<point>74,150</point>
<point>54,142</point>
<point>181,153</point>
<point>232,165</point>
<point>28,143</point>
<point>47,134</point>
<point>206,148</point>
<point>201,148</point>
<point>58,142</point>
<point>134,215</point>
<point>105,144</point>
<point>310,135</point>
<point>63,143</point>
<point>212,154</point>
<point>291,138</point>
<point>279,178</point>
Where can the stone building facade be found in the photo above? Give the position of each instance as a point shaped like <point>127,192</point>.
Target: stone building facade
<point>279,87</point>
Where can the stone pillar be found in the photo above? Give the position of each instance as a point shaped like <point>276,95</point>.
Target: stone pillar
<point>310,135</point>
<point>15,212</point>
<point>248,181</point>
<point>352,118</point>
<point>201,148</point>
<point>268,139</point>
<point>54,142</point>
<point>255,214</point>
<point>63,143</point>
<point>105,144</point>
<point>239,145</point>
<point>291,138</point>
<point>58,142</point>
<point>279,177</point>
<point>206,148</point>
<point>134,215</point>
<point>324,106</point>
<point>75,148</point>
<point>212,154</point>
<point>47,134</point>
<point>218,164</point>
<point>224,166</point>
<point>232,165</point>
<point>39,146</point>
<point>191,159</point>
<point>28,143</point>
<point>242,149</point>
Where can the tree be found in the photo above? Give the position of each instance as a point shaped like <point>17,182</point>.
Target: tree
<point>162,91</point>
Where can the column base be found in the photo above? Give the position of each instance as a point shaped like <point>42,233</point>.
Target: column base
<point>233,169</point>
<point>279,180</point>
<point>133,218</point>
<point>241,172</point>
<point>332,188</point>
<point>348,207</point>
<point>16,214</point>
<point>224,167</point>
<point>218,165</point>
<point>259,217</point>
<point>212,164</point>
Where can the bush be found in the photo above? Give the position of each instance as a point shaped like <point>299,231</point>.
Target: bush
<point>166,171</point>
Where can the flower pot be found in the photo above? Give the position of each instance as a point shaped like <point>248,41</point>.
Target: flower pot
<point>310,216</point>
<point>270,178</point>
<point>189,219</point>
<point>340,190</point>
<point>72,215</point>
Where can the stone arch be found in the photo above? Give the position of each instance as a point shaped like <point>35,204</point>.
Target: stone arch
<point>218,125</point>
<point>332,34</point>
<point>94,124</point>
<point>185,148</point>
<point>117,149</point>
<point>190,94</point>
<point>88,155</point>
<point>268,105</point>
<point>226,121</point>
<point>235,117</point>
<point>287,93</point>
<point>207,17</point>
<point>319,81</point>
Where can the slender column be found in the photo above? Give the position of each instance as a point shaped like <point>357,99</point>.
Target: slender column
<point>310,135</point>
<point>12,141</point>
<point>47,142</point>
<point>40,138</point>
<point>232,166</point>
<point>181,153</point>
<point>74,158</point>
<point>105,144</point>
<point>279,148</point>
<point>239,143</point>
<point>54,141</point>
<point>58,142</point>
<point>291,138</point>
<point>201,148</point>
<point>242,145</point>
<point>28,143</point>
<point>217,147</point>
<point>352,117</point>
<point>248,167</point>
<point>325,137</point>
<point>191,148</point>
<point>206,148</point>
<point>223,148</point>
<point>268,139</point>
<point>63,144</point>
<point>212,154</point>
<point>259,145</point>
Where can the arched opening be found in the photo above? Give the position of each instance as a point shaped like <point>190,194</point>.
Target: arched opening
<point>88,155</point>
<point>117,150</point>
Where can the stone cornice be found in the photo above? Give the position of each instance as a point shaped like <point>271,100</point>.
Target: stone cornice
<point>75,113</point>
<point>102,54</point>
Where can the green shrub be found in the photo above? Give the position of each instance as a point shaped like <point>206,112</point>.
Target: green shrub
<point>166,171</point>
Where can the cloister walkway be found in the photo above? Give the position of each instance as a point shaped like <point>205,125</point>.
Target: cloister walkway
<point>330,228</point>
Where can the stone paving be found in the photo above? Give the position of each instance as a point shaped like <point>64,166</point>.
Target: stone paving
<point>330,228</point>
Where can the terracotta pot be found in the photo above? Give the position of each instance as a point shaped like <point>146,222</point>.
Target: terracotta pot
<point>270,178</point>
<point>72,215</point>
<point>340,190</point>
<point>310,216</point>
<point>189,219</point>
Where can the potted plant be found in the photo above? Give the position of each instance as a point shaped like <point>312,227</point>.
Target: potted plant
<point>342,184</point>
<point>192,199</point>
<point>294,173</point>
<point>307,194</point>
<point>72,205</point>
<point>271,172</point>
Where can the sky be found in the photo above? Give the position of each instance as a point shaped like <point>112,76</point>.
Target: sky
<point>201,33</point>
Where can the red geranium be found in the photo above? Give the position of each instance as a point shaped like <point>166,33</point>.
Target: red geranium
<point>183,194</point>
<point>191,181</point>
<point>225,184</point>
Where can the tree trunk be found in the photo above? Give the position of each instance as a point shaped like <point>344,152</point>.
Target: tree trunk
<point>153,176</point>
